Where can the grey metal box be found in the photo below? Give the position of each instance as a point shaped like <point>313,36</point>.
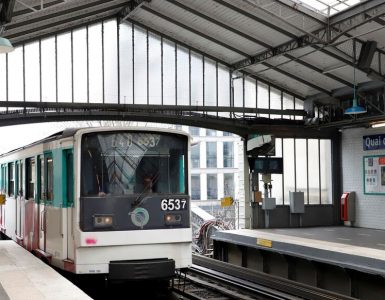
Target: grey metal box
<point>297,203</point>
<point>268,203</point>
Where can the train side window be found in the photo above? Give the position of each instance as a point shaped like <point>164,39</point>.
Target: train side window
<point>11,179</point>
<point>31,178</point>
<point>49,162</point>
<point>3,179</point>
<point>41,173</point>
<point>20,178</point>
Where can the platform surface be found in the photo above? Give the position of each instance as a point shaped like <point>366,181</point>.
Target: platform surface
<point>356,248</point>
<point>24,276</point>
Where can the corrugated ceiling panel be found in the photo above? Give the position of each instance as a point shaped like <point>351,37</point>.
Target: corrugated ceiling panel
<point>288,83</point>
<point>186,36</point>
<point>317,58</point>
<point>239,21</point>
<point>348,73</point>
<point>256,68</point>
<point>284,81</point>
<point>311,76</point>
<point>289,16</point>
<point>206,27</point>
<point>372,31</point>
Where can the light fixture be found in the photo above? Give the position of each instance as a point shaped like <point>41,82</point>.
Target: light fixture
<point>5,44</point>
<point>355,109</point>
<point>379,124</point>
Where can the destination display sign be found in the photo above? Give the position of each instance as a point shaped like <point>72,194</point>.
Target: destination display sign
<point>374,142</point>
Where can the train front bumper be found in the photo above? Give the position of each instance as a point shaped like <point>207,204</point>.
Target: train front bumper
<point>142,269</point>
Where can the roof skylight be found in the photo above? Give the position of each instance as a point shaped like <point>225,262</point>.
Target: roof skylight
<point>328,7</point>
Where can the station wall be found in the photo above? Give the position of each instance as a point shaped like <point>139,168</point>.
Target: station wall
<point>370,209</point>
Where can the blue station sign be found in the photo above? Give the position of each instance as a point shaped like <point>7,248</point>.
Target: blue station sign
<point>374,142</point>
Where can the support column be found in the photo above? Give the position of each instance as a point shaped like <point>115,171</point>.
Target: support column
<point>245,211</point>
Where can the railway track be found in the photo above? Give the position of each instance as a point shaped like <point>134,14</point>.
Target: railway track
<point>213,279</point>
<point>200,283</point>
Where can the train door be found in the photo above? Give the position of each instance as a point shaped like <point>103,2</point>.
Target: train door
<point>31,205</point>
<point>3,192</point>
<point>69,192</point>
<point>41,203</point>
<point>19,201</point>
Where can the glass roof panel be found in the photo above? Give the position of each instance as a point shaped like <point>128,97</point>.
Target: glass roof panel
<point>328,7</point>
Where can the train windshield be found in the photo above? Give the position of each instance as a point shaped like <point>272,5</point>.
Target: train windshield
<point>129,162</point>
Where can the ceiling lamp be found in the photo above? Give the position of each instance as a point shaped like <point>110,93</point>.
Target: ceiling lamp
<point>5,44</point>
<point>355,109</point>
<point>377,125</point>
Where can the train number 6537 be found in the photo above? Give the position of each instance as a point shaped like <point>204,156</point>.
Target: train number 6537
<point>173,204</point>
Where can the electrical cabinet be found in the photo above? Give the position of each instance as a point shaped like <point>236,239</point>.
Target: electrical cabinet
<point>297,202</point>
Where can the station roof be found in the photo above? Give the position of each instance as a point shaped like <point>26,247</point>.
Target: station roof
<point>314,49</point>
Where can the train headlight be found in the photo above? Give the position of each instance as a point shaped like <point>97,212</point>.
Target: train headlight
<point>103,221</point>
<point>172,219</point>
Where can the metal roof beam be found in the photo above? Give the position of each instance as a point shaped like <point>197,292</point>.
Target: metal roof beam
<point>284,48</point>
<point>205,36</point>
<point>314,68</point>
<point>6,11</point>
<point>47,28</point>
<point>133,6</point>
<point>312,40</point>
<point>255,18</point>
<point>365,87</point>
<point>369,12</point>
<point>233,49</point>
<point>355,11</point>
<point>249,37</point>
<point>299,79</point>
<point>219,23</point>
<point>274,9</point>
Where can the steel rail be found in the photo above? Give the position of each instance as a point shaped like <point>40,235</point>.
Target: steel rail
<point>243,285</point>
<point>281,284</point>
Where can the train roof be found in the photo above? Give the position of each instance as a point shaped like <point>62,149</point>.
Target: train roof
<point>68,132</point>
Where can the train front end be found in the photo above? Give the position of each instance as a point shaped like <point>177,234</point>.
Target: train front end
<point>133,209</point>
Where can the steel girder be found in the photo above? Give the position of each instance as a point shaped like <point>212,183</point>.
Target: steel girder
<point>327,36</point>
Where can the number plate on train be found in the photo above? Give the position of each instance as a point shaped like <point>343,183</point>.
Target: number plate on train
<point>173,204</point>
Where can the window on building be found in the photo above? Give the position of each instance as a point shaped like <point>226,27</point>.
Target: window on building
<point>11,179</point>
<point>228,154</point>
<point>195,187</point>
<point>225,133</point>
<point>195,156</point>
<point>211,132</point>
<point>228,185</point>
<point>31,178</point>
<point>212,186</point>
<point>211,154</point>
<point>194,131</point>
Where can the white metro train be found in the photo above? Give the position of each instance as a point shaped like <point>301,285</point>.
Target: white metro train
<point>110,201</point>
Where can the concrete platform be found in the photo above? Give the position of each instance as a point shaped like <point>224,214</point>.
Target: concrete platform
<point>23,276</point>
<point>353,248</point>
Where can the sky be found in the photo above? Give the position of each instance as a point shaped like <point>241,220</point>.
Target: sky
<point>13,137</point>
